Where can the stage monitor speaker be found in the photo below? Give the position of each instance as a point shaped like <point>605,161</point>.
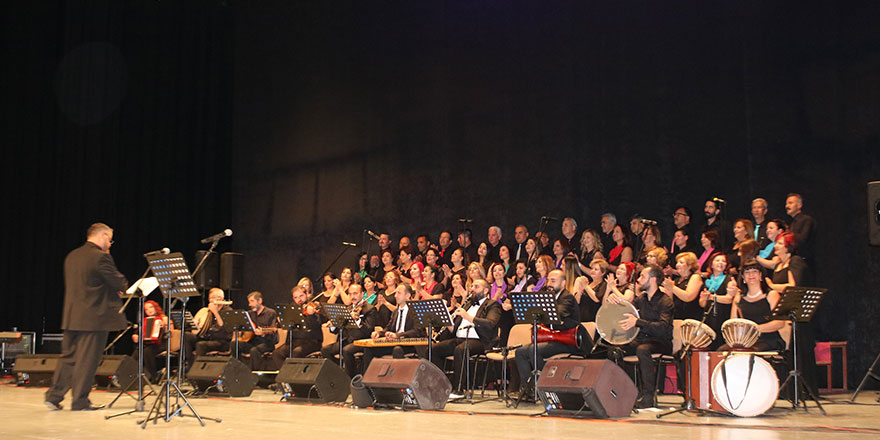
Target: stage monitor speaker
<point>308,379</point>
<point>874,213</point>
<point>407,382</point>
<point>35,370</point>
<point>222,375</point>
<point>118,370</point>
<point>209,274</point>
<point>231,268</point>
<point>597,388</point>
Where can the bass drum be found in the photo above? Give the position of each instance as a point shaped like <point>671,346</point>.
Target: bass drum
<point>608,322</point>
<point>745,385</point>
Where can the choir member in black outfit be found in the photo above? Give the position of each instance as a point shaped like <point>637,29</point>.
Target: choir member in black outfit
<point>756,304</point>
<point>567,308</point>
<point>589,292</point>
<point>363,317</point>
<point>447,245</point>
<point>569,234</point>
<point>685,292</point>
<point>608,222</point>
<point>655,328</point>
<point>305,341</point>
<point>804,228</point>
<point>475,324</point>
<point>715,222</point>
<point>402,324</point>
<point>591,249</point>
<point>465,242</point>
<point>493,243</point>
<point>716,294</point>
<point>759,216</point>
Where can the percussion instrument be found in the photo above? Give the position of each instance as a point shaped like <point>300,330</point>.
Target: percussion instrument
<point>608,322</point>
<point>696,334</point>
<point>745,385</point>
<point>576,336</point>
<point>740,334</point>
<point>702,364</point>
<point>385,342</point>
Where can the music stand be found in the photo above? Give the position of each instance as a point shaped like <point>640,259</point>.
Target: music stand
<point>534,308</point>
<point>798,304</point>
<point>140,289</point>
<point>340,316</point>
<point>235,321</point>
<point>431,313</point>
<point>175,282</point>
<point>290,317</point>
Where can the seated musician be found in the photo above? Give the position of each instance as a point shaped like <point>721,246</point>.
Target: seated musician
<point>569,314</point>
<point>305,341</point>
<point>655,328</point>
<point>401,325</point>
<point>474,323</point>
<point>365,317</point>
<point>264,337</point>
<point>209,334</point>
<point>152,345</point>
<point>756,304</point>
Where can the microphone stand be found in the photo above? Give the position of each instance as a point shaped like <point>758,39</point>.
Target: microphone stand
<point>199,267</point>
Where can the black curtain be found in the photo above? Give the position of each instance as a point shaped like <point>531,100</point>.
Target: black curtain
<point>118,112</point>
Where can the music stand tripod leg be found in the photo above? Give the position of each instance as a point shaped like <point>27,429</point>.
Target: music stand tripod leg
<point>869,374</point>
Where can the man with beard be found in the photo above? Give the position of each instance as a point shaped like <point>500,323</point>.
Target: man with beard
<point>715,222</point>
<point>265,338</point>
<point>655,328</point>
<point>569,314</point>
<point>474,324</point>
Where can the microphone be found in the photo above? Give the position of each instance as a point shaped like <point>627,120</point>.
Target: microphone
<point>465,220</point>
<point>164,251</point>
<point>345,243</point>
<point>649,222</point>
<point>371,234</point>
<point>549,219</point>
<point>217,237</point>
<point>717,200</point>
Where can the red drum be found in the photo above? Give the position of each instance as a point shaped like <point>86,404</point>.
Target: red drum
<point>703,363</point>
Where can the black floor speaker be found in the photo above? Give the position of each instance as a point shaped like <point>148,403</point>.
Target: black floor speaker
<point>588,388</point>
<point>116,370</point>
<point>209,274</point>
<point>35,370</point>
<point>407,382</point>
<point>222,375</point>
<point>306,379</point>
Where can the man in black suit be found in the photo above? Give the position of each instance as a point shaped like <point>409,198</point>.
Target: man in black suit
<point>401,325</point>
<point>91,310</point>
<point>567,308</point>
<point>364,318</point>
<point>306,340</point>
<point>476,325</point>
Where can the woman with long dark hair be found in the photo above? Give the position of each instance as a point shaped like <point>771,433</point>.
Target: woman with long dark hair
<point>622,251</point>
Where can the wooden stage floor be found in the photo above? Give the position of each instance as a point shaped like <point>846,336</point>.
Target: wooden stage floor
<point>260,416</point>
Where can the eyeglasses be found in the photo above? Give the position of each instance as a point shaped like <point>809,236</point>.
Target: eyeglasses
<point>676,214</point>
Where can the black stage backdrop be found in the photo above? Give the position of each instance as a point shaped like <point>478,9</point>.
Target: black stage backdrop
<point>402,117</point>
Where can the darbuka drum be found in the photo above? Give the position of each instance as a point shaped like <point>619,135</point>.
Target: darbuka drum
<point>740,334</point>
<point>608,322</point>
<point>745,385</point>
<point>696,334</point>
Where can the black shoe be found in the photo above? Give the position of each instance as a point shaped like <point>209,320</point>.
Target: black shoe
<point>53,406</point>
<point>89,408</point>
<point>646,401</point>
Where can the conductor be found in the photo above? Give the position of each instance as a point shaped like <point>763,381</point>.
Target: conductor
<point>91,303</point>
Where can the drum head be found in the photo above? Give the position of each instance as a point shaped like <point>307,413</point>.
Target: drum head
<point>607,322</point>
<point>740,395</point>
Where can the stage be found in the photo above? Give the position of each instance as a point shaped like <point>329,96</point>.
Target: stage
<point>261,415</point>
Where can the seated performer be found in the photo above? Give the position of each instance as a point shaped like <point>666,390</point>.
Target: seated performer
<point>364,316</point>
<point>567,308</point>
<point>755,304</point>
<point>264,336</point>
<point>474,323</point>
<point>152,345</point>
<point>401,325</point>
<point>305,341</point>
<point>209,334</point>
<point>655,328</point>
